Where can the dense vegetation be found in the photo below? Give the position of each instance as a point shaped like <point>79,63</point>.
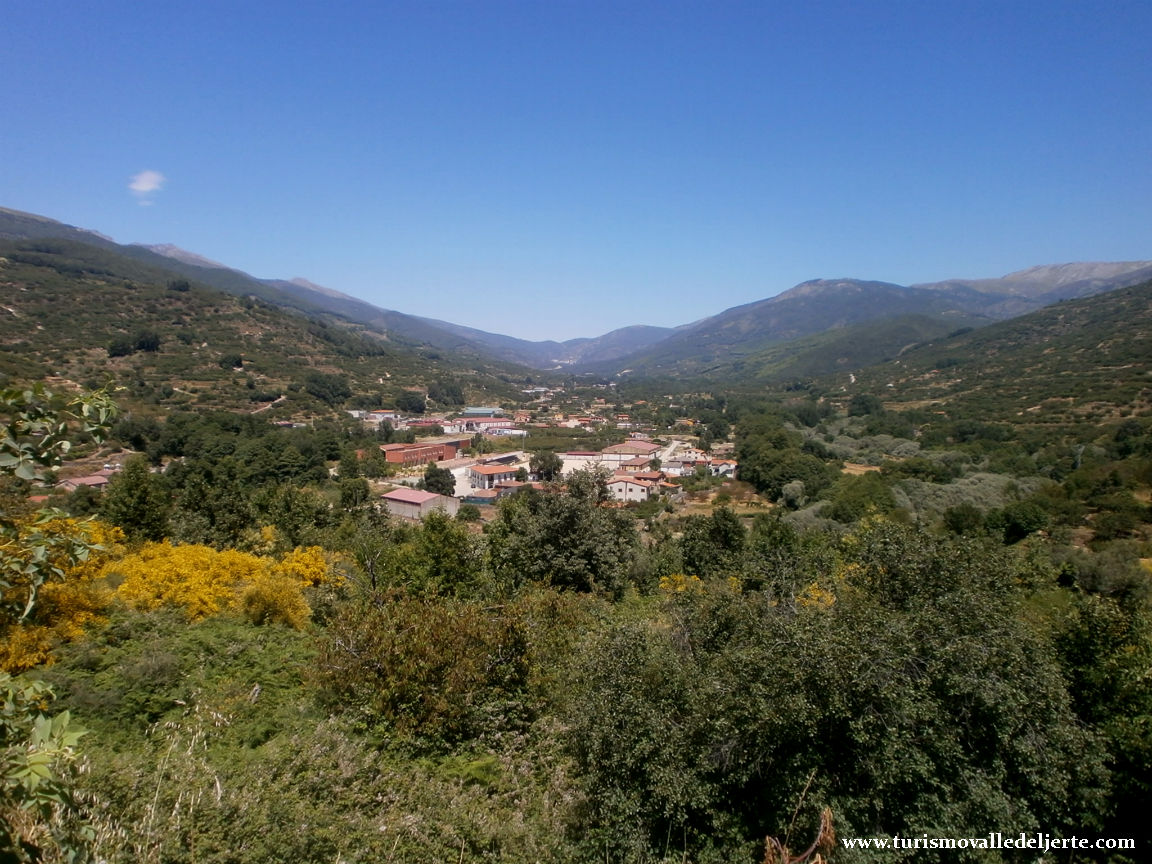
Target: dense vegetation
<point>174,343</point>
<point>922,607</point>
<point>269,671</point>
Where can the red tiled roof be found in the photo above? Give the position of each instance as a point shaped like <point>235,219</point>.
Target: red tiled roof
<point>633,447</point>
<point>410,496</point>
<point>492,470</point>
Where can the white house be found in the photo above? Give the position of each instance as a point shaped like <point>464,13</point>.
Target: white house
<point>487,476</point>
<point>630,489</point>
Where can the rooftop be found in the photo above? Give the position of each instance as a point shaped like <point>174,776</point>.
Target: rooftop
<point>410,496</point>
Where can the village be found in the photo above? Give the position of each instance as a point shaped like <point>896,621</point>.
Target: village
<point>474,446</point>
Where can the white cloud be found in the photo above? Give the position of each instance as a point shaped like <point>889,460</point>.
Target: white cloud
<point>144,184</point>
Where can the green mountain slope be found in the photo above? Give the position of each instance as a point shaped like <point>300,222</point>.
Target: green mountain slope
<point>298,295</point>
<point>1086,360</point>
<point>747,342</point>
<point>78,312</point>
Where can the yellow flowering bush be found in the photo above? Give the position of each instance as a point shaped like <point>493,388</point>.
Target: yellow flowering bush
<point>678,583</point>
<point>816,596</point>
<point>307,565</point>
<point>204,581</point>
<point>274,598</point>
<point>71,595</point>
<point>197,578</point>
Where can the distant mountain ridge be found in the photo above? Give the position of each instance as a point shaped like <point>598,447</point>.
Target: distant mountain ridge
<point>175,252</point>
<point>572,352</point>
<point>731,342</point>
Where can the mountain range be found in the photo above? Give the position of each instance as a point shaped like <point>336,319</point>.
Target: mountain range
<point>829,324</point>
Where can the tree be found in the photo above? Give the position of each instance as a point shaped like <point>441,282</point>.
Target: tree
<point>120,347</point>
<point>447,560</point>
<point>564,537</point>
<point>39,813</point>
<point>138,501</point>
<point>446,393</point>
<point>412,401</point>
<point>147,341</point>
<point>439,480</point>
<point>546,465</point>
<point>354,493</point>
<point>212,506</point>
<point>908,691</point>
<point>770,470</point>
<point>332,389</point>
<point>349,467</point>
<point>713,545</point>
<point>34,436</point>
<point>864,404</point>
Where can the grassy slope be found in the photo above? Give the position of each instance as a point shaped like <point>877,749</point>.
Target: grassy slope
<point>64,302</point>
<point>1086,360</point>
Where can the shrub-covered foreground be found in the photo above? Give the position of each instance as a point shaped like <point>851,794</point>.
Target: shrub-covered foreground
<point>911,682</point>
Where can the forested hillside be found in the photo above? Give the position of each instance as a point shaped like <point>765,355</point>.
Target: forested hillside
<point>82,314</point>
<point>1081,361</point>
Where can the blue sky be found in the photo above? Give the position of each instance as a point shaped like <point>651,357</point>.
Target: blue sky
<point>553,169</point>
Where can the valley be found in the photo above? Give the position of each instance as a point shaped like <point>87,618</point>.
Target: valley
<point>322,581</point>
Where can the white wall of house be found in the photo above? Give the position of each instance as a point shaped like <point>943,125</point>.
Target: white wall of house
<point>629,490</point>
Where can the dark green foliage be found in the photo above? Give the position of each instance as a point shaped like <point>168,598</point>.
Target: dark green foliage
<point>120,347</point>
<point>771,457</point>
<point>770,471</point>
<point>299,514</point>
<point>468,513</point>
<point>889,423</point>
<point>437,668</point>
<point>443,558</point>
<point>211,505</point>
<point>566,538</point>
<point>147,341</point>
<point>138,501</point>
<point>349,467</point>
<point>809,413</point>
<point>713,545</point>
<point>136,432</point>
<point>331,389</point>
<point>546,465</point>
<point>1017,520</point>
<point>864,404</point>
<point>929,470</point>
<point>913,703</point>
<point>856,496</point>
<point>446,393</point>
<point>964,518</point>
<point>1105,645</point>
<point>781,561</point>
<point>354,493</point>
<point>142,668</point>
<point>439,480</point>
<point>411,401</point>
